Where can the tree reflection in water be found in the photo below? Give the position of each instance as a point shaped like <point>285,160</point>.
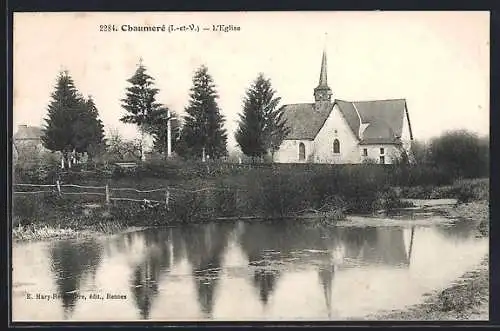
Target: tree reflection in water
<point>272,248</point>
<point>205,245</point>
<point>146,274</point>
<point>271,245</point>
<point>70,263</point>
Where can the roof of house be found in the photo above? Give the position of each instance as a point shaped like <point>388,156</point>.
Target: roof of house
<point>383,119</point>
<point>25,132</point>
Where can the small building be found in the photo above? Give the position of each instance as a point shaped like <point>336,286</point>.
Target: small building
<point>339,131</point>
<point>27,142</point>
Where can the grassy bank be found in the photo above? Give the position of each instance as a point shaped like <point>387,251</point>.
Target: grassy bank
<point>268,192</point>
<point>39,231</point>
<point>465,190</point>
<point>202,192</point>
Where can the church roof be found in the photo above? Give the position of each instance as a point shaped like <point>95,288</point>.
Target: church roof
<point>382,119</point>
<point>304,120</point>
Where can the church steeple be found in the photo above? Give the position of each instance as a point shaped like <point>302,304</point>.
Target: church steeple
<point>322,93</point>
<point>323,79</point>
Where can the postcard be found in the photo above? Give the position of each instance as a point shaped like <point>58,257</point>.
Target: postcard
<point>250,166</point>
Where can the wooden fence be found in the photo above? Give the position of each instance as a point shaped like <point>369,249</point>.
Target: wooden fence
<point>107,191</point>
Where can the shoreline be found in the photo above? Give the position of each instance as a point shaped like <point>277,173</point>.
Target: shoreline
<point>476,210</point>
<point>467,298</point>
<point>46,233</point>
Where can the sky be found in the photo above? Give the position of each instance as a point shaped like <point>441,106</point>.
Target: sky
<point>437,61</point>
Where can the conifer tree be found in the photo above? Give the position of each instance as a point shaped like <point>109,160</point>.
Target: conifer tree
<point>262,127</point>
<point>203,132</point>
<point>95,129</point>
<point>140,102</point>
<point>73,123</point>
<point>62,111</point>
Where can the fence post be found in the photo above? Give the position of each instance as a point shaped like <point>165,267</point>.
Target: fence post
<point>58,184</point>
<point>107,194</point>
<point>167,198</point>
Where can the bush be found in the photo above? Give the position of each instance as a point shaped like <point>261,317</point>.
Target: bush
<point>471,190</point>
<point>461,153</point>
<point>389,199</point>
<point>462,190</point>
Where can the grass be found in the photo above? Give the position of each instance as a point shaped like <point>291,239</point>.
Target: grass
<point>37,232</point>
<point>267,191</point>
<point>465,190</point>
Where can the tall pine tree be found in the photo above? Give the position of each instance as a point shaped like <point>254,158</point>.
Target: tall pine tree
<point>140,102</point>
<point>72,123</point>
<point>62,112</point>
<point>262,127</point>
<point>95,129</point>
<point>203,130</point>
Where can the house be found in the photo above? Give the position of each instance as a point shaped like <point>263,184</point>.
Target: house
<point>27,142</point>
<point>342,131</point>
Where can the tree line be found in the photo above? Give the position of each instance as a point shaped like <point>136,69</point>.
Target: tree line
<point>458,154</point>
<point>73,123</point>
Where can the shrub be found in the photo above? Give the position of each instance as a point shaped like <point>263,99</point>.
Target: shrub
<point>471,190</point>
<point>461,153</point>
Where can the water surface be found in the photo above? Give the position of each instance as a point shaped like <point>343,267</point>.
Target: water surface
<point>240,271</point>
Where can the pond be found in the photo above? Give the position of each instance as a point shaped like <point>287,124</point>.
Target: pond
<point>230,271</point>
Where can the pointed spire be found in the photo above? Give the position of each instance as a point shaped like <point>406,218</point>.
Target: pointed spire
<point>323,93</point>
<point>323,79</point>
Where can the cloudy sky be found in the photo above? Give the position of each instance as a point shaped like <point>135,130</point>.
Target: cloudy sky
<point>437,61</point>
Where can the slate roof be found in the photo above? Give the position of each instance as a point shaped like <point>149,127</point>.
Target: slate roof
<point>25,132</point>
<point>383,119</point>
<point>304,121</point>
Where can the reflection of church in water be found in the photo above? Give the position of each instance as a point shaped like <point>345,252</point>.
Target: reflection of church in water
<point>265,245</point>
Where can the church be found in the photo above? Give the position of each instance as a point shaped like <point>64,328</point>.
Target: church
<point>342,131</point>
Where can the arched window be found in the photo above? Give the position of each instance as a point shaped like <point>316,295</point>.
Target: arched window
<point>302,151</point>
<point>336,146</point>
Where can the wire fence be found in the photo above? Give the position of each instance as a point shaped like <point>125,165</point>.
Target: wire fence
<point>107,191</point>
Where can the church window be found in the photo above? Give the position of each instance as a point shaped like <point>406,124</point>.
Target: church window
<point>302,151</point>
<point>381,150</point>
<point>365,151</point>
<point>382,159</point>
<point>336,146</point>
